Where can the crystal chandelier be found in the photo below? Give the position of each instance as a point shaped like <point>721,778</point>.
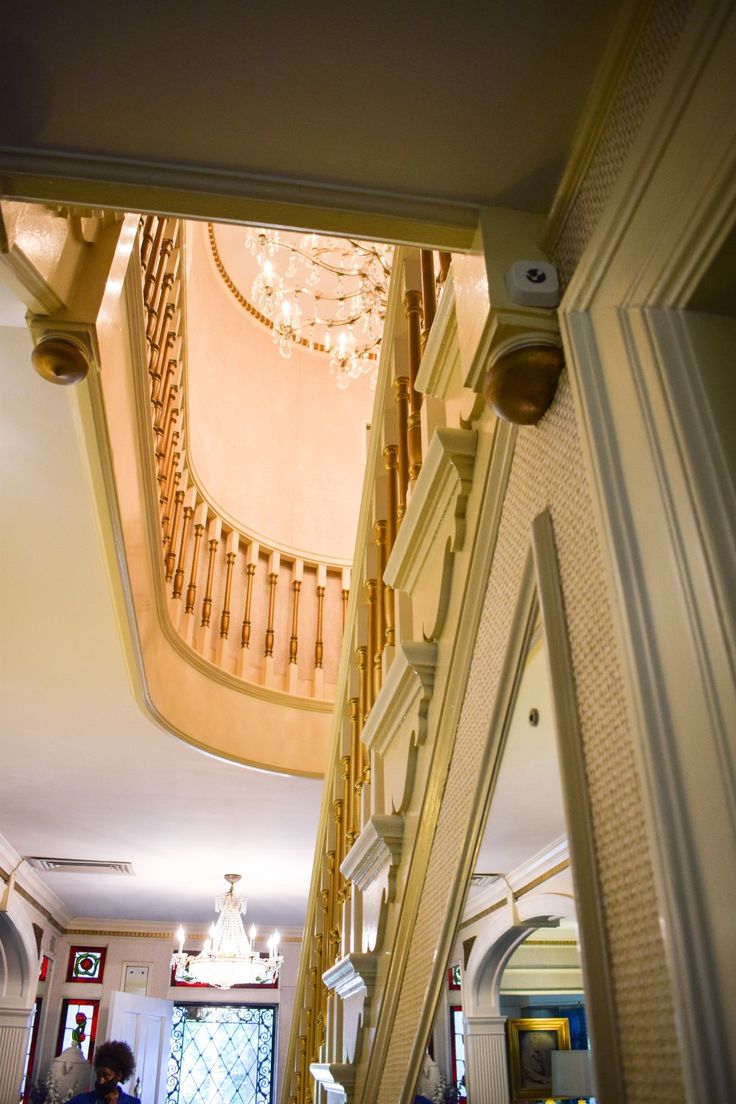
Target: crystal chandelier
<point>327,294</point>
<point>229,957</point>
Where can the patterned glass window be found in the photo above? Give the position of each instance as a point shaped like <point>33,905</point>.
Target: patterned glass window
<point>43,968</point>
<point>454,977</point>
<point>221,1052</point>
<point>457,1038</point>
<point>79,1017</point>
<point>86,964</point>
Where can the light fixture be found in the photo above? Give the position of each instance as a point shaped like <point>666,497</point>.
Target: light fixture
<point>327,294</point>
<point>229,957</point>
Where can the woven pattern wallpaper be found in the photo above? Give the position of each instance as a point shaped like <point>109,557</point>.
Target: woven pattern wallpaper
<point>660,36</point>
<point>548,473</point>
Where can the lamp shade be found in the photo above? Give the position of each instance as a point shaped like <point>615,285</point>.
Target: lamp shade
<point>572,1073</point>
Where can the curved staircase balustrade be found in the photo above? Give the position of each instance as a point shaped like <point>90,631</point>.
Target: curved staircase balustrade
<point>256,612</point>
<point>360,836</point>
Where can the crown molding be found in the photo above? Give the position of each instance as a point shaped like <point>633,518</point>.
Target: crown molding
<point>31,887</point>
<point>88,180</point>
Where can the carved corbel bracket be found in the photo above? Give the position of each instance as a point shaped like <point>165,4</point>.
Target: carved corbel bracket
<point>87,222</point>
<point>433,529</point>
<point>64,351</point>
<point>371,865</point>
<point>509,351</point>
<point>397,723</point>
<point>337,1080</point>
<point>352,979</point>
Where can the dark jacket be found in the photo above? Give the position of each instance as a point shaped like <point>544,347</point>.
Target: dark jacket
<point>91,1098</point>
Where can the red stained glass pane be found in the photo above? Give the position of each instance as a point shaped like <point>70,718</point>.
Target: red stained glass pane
<point>86,964</point>
<point>80,1017</point>
<point>43,969</point>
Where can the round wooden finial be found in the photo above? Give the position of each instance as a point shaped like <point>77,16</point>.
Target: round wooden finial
<point>520,386</point>
<point>60,360</point>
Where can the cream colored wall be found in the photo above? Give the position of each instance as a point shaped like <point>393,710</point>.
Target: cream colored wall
<point>273,442</point>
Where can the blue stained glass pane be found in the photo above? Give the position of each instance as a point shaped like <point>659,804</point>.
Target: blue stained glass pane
<point>222,1053</point>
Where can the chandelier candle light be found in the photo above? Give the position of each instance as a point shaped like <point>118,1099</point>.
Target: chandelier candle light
<point>328,294</point>
<point>229,957</point>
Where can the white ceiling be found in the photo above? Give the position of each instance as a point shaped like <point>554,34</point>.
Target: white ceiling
<point>84,773</point>
<point>460,104</point>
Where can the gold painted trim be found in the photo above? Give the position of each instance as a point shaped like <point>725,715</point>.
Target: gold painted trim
<point>554,870</point>
<point>5,876</point>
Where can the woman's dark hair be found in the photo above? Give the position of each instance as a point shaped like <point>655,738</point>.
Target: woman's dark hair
<point>116,1056</point>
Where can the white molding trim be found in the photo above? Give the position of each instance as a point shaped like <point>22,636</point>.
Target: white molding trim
<point>25,876</point>
<point>664,497</point>
<point>397,723</point>
<point>446,477</point>
<point>352,975</point>
<point>377,846</point>
<point>79,179</point>
<point>441,357</point>
<point>337,1080</point>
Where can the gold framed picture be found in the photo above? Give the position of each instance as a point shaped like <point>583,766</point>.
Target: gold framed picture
<point>530,1044</point>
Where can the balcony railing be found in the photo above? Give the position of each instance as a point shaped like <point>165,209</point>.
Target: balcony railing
<point>255,611</point>
<point>358,789</point>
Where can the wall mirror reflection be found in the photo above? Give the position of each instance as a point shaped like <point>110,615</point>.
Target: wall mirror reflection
<point>512,1019</point>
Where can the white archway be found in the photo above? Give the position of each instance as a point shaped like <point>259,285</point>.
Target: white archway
<point>18,983</point>
<point>485,1042</point>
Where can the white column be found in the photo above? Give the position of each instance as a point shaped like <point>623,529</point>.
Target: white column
<point>486,1068</point>
<point>13,1043</point>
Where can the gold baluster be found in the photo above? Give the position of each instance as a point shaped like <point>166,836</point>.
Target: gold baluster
<point>147,226</point>
<point>170,557</point>
<point>319,643</point>
<point>150,281</point>
<point>362,663</point>
<point>172,482</point>
<point>273,579</point>
<point>179,576</point>
<point>347,790</point>
<point>401,394</point>
<point>413,310</point>
<point>230,559</point>
<point>371,596</point>
<point>294,639</point>
<point>381,531</point>
<point>250,571</point>
<point>356,768</point>
<point>429,294</point>
<point>212,545</point>
<point>192,588</point>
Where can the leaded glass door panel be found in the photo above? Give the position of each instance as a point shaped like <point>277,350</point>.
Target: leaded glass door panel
<point>221,1054</point>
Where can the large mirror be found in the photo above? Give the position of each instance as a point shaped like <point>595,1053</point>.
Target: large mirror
<point>512,1020</point>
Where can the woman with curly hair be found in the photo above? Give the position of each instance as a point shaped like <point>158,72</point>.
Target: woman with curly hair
<point>114,1063</point>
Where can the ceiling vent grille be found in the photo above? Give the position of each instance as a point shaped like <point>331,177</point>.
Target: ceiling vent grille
<point>78,866</point>
<point>484,879</point>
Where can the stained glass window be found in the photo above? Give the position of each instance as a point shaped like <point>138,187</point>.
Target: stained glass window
<point>457,1038</point>
<point>454,977</point>
<point>221,1052</point>
<point>86,964</point>
<point>79,1016</point>
<point>43,968</point>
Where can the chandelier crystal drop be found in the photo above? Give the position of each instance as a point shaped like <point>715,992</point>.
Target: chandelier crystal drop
<point>326,293</point>
<point>229,956</point>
